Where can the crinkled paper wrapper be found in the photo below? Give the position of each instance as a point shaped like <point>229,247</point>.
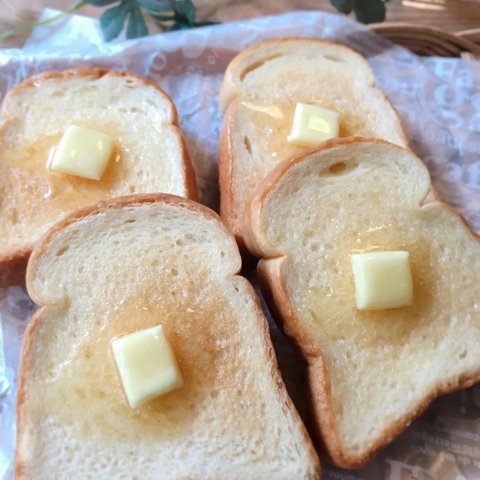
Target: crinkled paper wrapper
<point>439,102</point>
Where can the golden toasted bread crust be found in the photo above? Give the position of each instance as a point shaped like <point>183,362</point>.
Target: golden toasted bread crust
<point>13,263</point>
<point>272,279</point>
<point>37,319</point>
<point>27,347</point>
<point>226,174</point>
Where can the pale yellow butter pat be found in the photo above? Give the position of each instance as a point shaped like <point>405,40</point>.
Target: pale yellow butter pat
<point>382,280</point>
<point>82,152</point>
<point>146,364</point>
<point>313,125</point>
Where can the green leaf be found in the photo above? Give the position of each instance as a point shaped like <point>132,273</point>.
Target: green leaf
<point>344,6</point>
<point>205,24</point>
<point>162,18</point>
<point>100,3</point>
<point>156,6</point>
<point>185,11</point>
<point>178,26</point>
<point>370,11</point>
<point>136,24</point>
<point>113,20</point>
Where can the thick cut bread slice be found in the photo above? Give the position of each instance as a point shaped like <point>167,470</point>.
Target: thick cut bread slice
<point>261,88</point>
<point>150,155</point>
<point>370,372</point>
<point>130,264</point>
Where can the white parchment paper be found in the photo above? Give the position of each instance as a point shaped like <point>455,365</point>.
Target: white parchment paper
<point>439,102</point>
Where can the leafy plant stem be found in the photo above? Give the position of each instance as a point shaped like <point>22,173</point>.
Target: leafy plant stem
<point>26,27</point>
<point>366,11</point>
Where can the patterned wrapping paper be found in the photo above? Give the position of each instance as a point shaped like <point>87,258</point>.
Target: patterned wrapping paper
<point>439,102</point>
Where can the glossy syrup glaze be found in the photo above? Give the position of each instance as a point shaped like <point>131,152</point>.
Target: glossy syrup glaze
<point>85,393</point>
<point>30,192</point>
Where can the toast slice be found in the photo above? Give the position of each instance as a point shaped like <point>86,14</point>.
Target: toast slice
<point>149,156</point>
<point>129,264</point>
<point>260,90</point>
<point>370,372</point>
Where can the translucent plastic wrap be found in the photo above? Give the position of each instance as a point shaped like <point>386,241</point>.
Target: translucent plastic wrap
<point>439,102</point>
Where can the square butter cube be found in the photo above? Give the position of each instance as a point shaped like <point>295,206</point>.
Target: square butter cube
<point>146,364</point>
<point>82,152</point>
<point>313,125</point>
<point>382,280</point>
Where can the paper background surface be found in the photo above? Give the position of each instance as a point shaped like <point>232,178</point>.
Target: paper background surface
<point>439,102</point>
